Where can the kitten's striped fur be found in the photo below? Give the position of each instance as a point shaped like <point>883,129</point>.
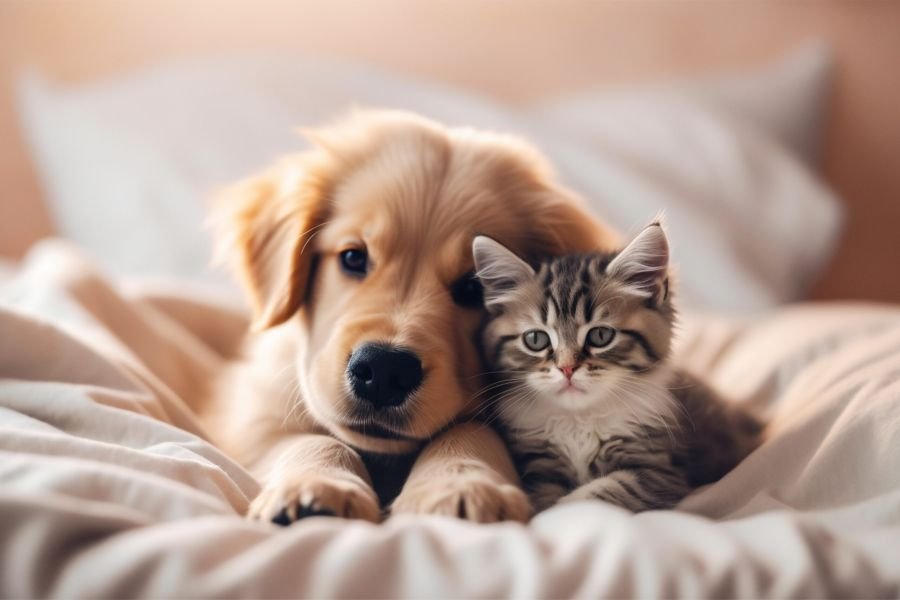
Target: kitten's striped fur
<point>627,428</point>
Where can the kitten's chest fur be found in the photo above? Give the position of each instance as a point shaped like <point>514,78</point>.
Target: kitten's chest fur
<point>589,443</point>
<point>580,441</point>
<point>673,422</point>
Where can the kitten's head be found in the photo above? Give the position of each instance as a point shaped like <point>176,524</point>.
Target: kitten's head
<point>580,329</point>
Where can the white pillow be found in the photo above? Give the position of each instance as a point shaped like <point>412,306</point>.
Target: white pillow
<point>786,99</point>
<point>127,164</point>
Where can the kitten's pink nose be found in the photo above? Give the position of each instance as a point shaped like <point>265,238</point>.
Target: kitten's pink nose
<point>567,371</point>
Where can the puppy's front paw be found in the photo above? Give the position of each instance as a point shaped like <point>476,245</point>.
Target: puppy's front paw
<point>472,496</point>
<point>289,498</point>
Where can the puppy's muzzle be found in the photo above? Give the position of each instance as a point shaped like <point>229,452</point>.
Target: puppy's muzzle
<point>383,375</point>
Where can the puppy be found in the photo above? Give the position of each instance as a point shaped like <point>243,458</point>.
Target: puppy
<point>357,260</point>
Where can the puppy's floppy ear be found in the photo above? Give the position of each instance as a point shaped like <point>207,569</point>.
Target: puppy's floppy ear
<point>499,270</point>
<point>265,226</point>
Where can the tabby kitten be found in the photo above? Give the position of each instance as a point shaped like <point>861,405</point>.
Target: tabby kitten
<point>587,397</point>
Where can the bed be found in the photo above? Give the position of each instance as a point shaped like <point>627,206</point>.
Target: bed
<point>109,487</point>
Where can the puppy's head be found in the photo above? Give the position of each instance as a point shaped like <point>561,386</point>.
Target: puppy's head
<point>362,246</point>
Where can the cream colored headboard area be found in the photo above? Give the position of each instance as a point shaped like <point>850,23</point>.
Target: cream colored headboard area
<point>518,51</point>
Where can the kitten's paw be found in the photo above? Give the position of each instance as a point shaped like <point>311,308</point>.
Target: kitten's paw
<point>293,497</point>
<point>577,495</point>
<point>473,496</point>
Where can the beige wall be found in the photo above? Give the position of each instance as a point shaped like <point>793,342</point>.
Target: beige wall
<point>515,50</point>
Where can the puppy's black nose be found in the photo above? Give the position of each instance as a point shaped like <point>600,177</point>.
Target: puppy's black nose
<point>383,375</point>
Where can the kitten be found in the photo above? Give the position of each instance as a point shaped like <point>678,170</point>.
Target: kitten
<point>587,396</point>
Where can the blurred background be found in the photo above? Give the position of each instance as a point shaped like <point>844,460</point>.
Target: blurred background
<point>768,131</point>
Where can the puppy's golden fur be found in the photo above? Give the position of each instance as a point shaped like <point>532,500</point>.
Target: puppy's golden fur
<point>412,194</point>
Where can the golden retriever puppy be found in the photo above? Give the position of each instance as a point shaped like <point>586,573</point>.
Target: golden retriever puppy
<point>357,259</point>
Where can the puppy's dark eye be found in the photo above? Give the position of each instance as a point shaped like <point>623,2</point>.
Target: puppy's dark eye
<point>598,337</point>
<point>536,340</point>
<point>354,262</point>
<point>466,291</point>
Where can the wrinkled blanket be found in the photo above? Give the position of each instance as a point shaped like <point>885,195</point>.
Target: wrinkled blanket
<point>108,486</point>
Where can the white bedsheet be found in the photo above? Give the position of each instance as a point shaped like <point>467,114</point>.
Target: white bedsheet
<point>107,487</point>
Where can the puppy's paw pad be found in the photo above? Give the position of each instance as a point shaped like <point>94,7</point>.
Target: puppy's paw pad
<point>286,500</point>
<point>288,515</point>
<point>474,497</point>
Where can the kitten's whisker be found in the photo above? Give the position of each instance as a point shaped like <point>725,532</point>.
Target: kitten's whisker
<point>651,407</point>
<point>635,382</point>
<point>494,386</point>
<point>499,371</point>
<point>494,400</point>
<point>532,397</point>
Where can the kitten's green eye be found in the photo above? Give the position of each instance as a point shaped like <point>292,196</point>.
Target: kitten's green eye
<point>598,337</point>
<point>536,340</point>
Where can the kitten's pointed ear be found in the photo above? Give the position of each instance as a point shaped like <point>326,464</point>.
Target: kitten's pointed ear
<point>644,263</point>
<point>499,269</point>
